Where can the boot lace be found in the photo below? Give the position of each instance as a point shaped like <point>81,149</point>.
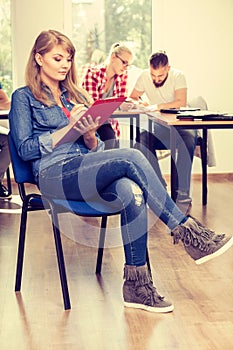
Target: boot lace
<point>148,294</point>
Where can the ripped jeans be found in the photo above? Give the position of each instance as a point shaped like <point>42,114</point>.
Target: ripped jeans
<point>125,181</point>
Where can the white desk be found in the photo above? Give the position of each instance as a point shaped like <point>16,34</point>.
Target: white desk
<point>4,113</point>
<point>170,120</point>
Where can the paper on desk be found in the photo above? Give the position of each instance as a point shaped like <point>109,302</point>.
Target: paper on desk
<point>140,108</point>
<point>3,130</point>
<point>151,108</point>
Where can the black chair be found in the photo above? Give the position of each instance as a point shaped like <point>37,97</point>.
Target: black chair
<point>33,202</point>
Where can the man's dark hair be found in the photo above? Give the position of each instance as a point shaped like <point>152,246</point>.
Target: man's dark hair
<point>158,59</point>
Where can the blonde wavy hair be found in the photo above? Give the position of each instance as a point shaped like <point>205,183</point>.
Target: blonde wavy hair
<point>43,44</point>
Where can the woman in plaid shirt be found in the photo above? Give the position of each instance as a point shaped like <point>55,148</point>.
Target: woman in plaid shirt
<point>109,80</point>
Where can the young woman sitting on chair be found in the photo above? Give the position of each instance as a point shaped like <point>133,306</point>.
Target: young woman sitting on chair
<point>41,112</point>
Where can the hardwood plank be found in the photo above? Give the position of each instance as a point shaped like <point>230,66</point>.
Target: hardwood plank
<point>34,319</point>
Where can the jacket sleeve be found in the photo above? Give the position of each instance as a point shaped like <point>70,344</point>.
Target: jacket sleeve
<point>30,146</point>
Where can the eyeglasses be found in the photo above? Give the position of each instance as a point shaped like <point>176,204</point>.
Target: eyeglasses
<point>125,63</point>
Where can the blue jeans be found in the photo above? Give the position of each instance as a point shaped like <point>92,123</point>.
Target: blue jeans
<point>126,181</point>
<point>186,143</point>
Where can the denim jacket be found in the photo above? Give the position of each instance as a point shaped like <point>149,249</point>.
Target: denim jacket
<point>31,126</point>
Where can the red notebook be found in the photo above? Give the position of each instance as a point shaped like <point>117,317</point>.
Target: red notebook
<point>100,108</point>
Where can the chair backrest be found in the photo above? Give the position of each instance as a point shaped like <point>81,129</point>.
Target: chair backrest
<point>22,170</point>
<point>198,102</point>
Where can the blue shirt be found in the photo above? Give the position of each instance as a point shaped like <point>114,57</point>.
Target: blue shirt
<point>31,126</point>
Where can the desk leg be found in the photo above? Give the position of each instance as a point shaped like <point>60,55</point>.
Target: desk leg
<point>8,176</point>
<point>131,132</point>
<point>137,116</point>
<point>137,131</point>
<point>173,162</point>
<point>149,126</point>
<point>204,166</point>
<point>150,137</point>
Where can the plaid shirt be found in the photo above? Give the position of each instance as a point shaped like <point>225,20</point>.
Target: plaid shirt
<point>94,82</point>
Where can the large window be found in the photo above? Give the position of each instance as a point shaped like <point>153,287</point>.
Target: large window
<point>5,50</point>
<point>97,24</point>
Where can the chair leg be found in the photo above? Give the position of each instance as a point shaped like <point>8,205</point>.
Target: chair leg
<point>148,263</point>
<point>101,248</point>
<point>60,259</point>
<point>8,176</point>
<point>21,246</point>
<point>101,244</point>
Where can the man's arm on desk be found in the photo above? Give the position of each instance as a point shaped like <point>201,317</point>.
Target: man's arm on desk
<point>136,96</point>
<point>180,100</point>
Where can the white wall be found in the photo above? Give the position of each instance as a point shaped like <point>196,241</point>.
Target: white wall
<point>29,18</point>
<point>197,35</point>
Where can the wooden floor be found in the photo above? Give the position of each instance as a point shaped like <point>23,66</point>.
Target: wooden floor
<point>34,319</point>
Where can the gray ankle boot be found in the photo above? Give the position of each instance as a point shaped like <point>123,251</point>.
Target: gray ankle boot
<point>201,243</point>
<point>139,292</point>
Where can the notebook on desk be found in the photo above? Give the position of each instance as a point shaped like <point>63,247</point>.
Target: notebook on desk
<point>204,115</point>
<point>178,110</point>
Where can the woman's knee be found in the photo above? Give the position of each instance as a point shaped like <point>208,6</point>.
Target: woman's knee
<point>130,154</point>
